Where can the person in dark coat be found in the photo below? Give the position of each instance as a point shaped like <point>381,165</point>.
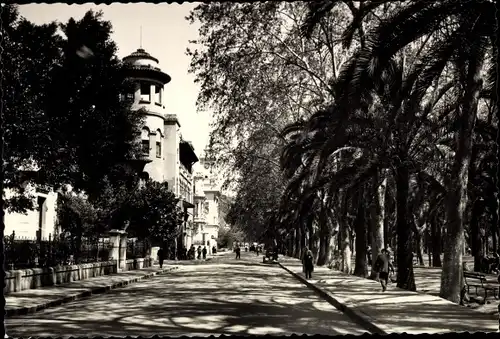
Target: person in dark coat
<point>383,265</point>
<point>308,264</point>
<point>161,257</point>
<point>199,252</point>
<point>204,251</point>
<point>214,250</point>
<point>238,252</point>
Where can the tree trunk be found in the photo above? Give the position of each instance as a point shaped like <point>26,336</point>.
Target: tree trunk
<point>346,249</point>
<point>451,276</point>
<point>436,240</point>
<point>476,239</point>
<point>420,244</point>
<point>377,213</point>
<point>406,279</point>
<point>298,236</point>
<point>360,267</point>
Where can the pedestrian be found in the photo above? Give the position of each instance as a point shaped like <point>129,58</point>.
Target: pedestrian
<point>308,264</point>
<point>238,252</point>
<point>214,250</point>
<point>204,252</point>
<point>306,249</point>
<point>161,257</point>
<point>383,265</point>
<point>199,252</point>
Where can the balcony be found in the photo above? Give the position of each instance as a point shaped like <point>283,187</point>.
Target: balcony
<point>199,219</point>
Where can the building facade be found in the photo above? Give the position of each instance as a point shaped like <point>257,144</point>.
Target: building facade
<point>207,194</point>
<point>172,158</point>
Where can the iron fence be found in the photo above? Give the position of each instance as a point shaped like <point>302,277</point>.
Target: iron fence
<point>21,253</point>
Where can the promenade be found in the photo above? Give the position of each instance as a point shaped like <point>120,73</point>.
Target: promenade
<point>393,311</point>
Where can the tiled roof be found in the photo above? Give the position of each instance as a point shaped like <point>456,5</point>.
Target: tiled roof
<point>141,53</point>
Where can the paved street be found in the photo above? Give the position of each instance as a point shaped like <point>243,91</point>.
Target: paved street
<point>223,296</point>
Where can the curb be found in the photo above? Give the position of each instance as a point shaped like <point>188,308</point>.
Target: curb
<point>84,294</point>
<point>358,316</point>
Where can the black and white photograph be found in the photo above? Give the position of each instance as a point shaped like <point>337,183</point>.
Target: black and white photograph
<point>247,168</point>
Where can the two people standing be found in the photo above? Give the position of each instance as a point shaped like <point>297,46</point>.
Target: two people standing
<point>308,263</point>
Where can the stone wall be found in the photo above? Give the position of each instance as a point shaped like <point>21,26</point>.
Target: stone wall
<point>19,280</point>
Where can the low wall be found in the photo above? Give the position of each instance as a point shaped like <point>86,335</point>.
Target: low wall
<point>19,280</point>
<point>139,263</point>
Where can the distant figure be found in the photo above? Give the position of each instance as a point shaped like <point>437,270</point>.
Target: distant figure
<point>161,257</point>
<point>238,252</point>
<point>204,251</point>
<point>184,253</point>
<point>382,266</point>
<point>308,264</point>
<point>306,249</point>
<point>199,252</point>
<point>214,250</point>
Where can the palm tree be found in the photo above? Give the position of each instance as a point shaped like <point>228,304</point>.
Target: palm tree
<point>465,30</point>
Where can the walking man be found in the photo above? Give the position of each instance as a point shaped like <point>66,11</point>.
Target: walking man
<point>238,252</point>
<point>204,252</point>
<point>308,262</point>
<point>161,257</point>
<point>383,265</point>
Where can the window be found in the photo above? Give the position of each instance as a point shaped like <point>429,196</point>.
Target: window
<point>158,144</point>
<point>158,95</point>
<point>145,92</point>
<point>145,141</point>
<point>145,147</point>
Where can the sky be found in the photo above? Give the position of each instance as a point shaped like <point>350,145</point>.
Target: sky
<point>165,35</point>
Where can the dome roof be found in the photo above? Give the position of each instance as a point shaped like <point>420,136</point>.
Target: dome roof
<point>140,54</point>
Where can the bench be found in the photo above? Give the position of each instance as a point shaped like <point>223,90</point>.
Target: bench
<point>478,280</point>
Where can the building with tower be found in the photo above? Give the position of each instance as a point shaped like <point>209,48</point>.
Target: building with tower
<point>172,158</point>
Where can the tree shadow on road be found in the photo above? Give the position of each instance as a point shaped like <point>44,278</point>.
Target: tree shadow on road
<point>241,298</point>
<point>402,310</point>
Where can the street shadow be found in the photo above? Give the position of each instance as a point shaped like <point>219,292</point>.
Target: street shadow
<point>405,311</point>
<point>241,298</point>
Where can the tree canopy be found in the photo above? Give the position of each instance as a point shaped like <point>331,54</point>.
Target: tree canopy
<point>63,114</point>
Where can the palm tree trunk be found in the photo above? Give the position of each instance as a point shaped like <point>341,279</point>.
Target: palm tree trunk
<point>377,212</point>
<point>435,240</point>
<point>360,267</point>
<point>406,279</point>
<point>298,237</point>
<point>419,234</point>
<point>476,243</point>
<point>451,276</point>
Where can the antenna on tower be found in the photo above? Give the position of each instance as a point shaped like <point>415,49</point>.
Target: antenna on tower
<point>140,41</point>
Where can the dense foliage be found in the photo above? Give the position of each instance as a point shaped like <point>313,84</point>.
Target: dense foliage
<point>63,117</point>
<point>340,120</point>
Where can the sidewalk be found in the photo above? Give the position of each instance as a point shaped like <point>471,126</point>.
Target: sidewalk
<point>33,300</point>
<point>393,311</point>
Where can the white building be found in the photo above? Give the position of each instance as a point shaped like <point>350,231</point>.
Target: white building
<point>172,158</point>
<point>206,200</point>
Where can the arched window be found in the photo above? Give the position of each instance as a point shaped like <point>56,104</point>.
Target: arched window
<point>145,141</point>
<point>158,143</point>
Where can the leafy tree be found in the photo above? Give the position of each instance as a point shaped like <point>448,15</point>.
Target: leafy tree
<point>77,218</point>
<point>62,108</point>
<point>229,235</point>
<point>154,213</point>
